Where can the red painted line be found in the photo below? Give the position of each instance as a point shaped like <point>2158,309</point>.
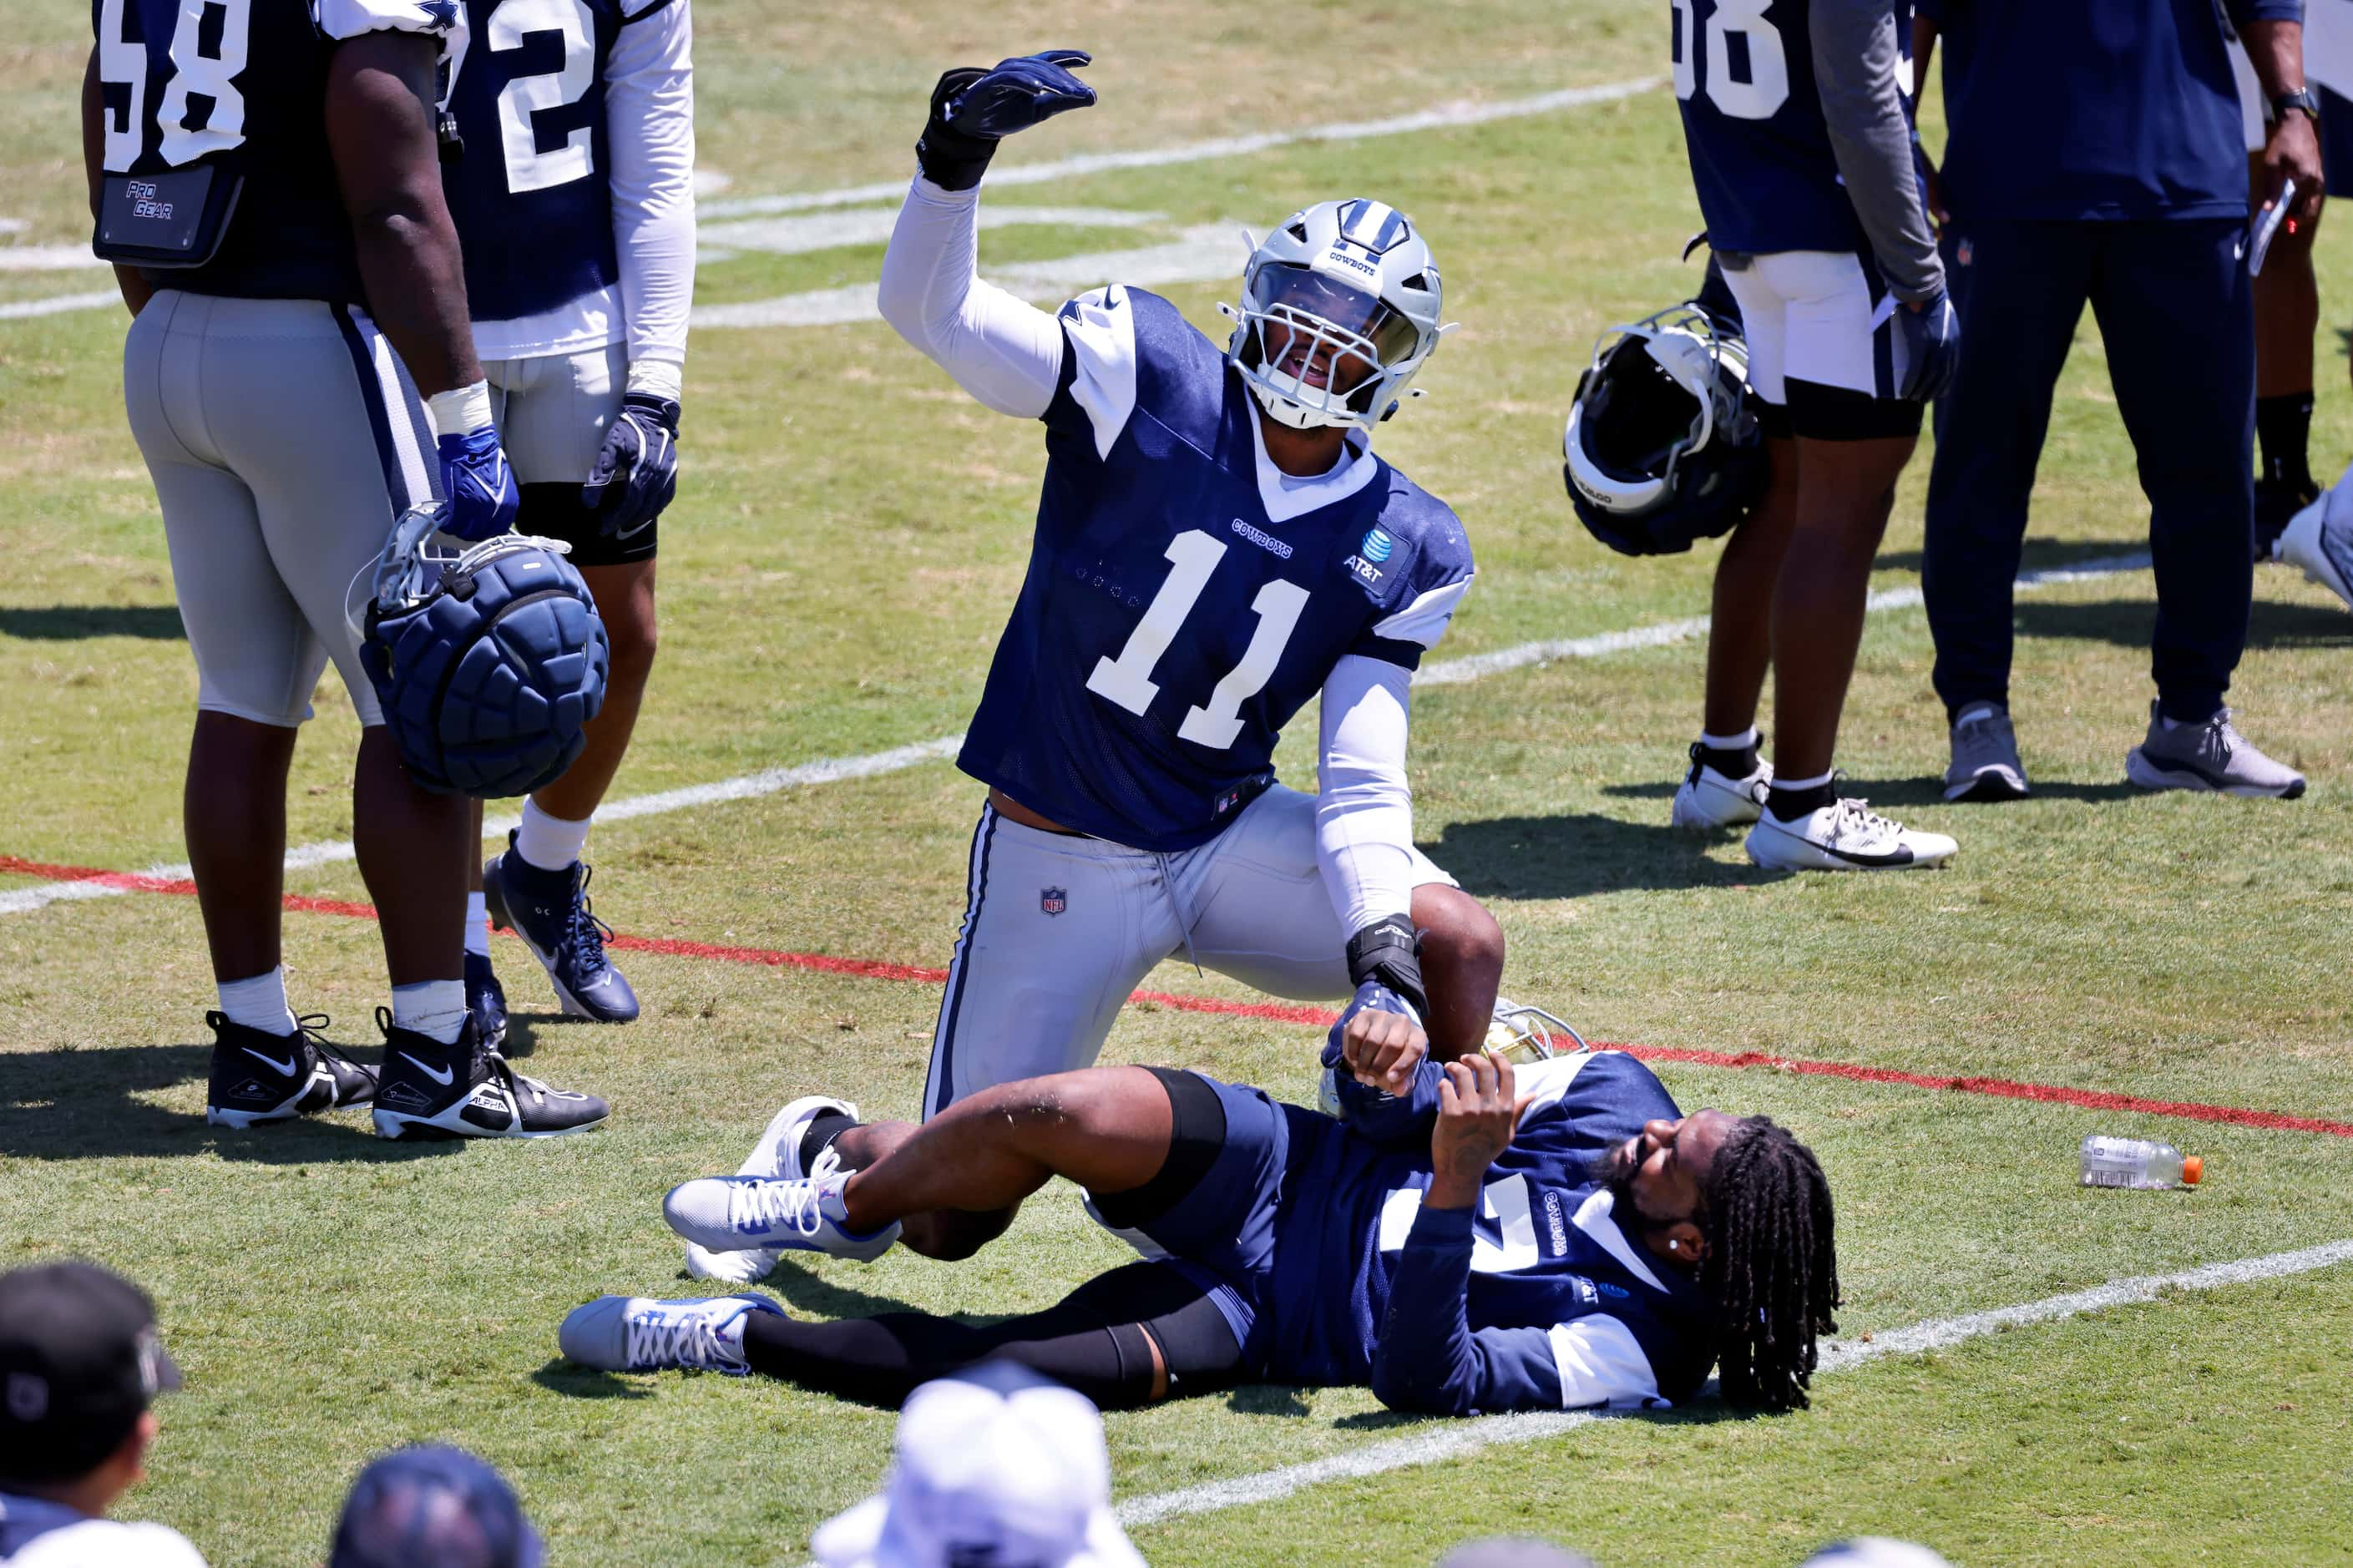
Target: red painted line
<point>1314,1017</point>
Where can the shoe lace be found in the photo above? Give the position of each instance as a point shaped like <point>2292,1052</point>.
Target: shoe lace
<point>762,1205</point>
<point>312,1026</point>
<point>827,1163</point>
<point>682,1338</point>
<point>1853,815</point>
<point>586,935</point>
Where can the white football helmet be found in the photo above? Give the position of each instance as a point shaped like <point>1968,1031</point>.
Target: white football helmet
<point>1343,281</point>
<point>1527,1034</point>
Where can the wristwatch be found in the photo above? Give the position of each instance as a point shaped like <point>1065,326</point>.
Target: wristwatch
<point>2302,98</point>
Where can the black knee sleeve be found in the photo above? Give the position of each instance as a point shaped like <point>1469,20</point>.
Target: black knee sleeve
<point>553,511</point>
<point>1196,1136</point>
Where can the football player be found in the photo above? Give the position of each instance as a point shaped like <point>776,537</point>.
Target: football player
<point>1488,1240</point>
<point>574,196</point>
<point>1800,138</point>
<point>264,174</point>
<point>1215,543</point>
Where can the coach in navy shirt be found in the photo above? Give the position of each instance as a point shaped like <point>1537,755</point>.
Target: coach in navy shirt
<point>2094,155</point>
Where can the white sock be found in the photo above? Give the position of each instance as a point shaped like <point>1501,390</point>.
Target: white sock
<point>258,1003</point>
<point>478,926</point>
<point>1974,710</point>
<point>433,1008</point>
<point>1793,784</point>
<point>548,842</point>
<point>1740,742</point>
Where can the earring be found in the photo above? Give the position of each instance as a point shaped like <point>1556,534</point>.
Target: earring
<point>1675,1245</point>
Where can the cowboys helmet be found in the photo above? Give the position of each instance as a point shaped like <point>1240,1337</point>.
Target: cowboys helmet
<point>1663,443</point>
<point>1352,297</point>
<point>489,663</point>
<point>1527,1034</point>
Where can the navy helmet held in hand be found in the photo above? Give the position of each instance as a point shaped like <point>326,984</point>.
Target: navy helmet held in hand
<point>1663,447</point>
<point>489,664</point>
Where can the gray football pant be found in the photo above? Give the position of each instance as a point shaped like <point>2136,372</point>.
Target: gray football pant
<point>284,436</point>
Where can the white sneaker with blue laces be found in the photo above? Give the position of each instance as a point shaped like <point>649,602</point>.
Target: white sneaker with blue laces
<point>735,1213</point>
<point>638,1333</point>
<point>778,1153</point>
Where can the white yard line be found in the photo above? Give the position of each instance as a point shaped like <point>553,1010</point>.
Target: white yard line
<point>832,770</point>
<point>1444,117</point>
<point>855,304</point>
<point>1434,1443</point>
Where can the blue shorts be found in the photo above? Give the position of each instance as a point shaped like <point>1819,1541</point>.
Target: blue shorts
<point>1220,1234</point>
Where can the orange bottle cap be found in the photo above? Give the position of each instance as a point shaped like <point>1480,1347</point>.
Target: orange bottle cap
<point>2192,1167</point>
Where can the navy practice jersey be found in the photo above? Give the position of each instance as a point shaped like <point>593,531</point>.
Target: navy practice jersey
<point>238,86</point>
<point>531,197</point>
<point>1184,598</point>
<point>1562,1306</point>
<point>2104,110</point>
<point>1761,152</point>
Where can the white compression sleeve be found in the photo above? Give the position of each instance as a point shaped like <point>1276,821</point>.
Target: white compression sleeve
<point>1005,353</point>
<point>650,126</point>
<point>1364,809</point>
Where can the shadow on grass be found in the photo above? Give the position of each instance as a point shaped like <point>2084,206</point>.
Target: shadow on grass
<point>560,1376</point>
<point>1285,1399</point>
<point>2128,623</point>
<point>1578,853</point>
<point>73,623</point>
<point>1911,792</point>
<point>86,1105</point>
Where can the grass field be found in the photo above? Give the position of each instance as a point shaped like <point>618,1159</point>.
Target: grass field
<point>848,537</point>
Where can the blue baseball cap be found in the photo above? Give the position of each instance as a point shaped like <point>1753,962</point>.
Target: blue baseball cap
<point>432,1506</point>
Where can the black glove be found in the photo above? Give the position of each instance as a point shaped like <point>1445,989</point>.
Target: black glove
<point>972,109</point>
<point>1390,951</point>
<point>636,473</point>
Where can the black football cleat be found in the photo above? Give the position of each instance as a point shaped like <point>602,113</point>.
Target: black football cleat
<point>464,1089</point>
<point>261,1077</point>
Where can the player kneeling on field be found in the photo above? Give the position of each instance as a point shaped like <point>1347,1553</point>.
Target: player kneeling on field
<point>1482,1238</point>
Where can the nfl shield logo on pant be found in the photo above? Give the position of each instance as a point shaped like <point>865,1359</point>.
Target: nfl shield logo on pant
<point>1053,901</point>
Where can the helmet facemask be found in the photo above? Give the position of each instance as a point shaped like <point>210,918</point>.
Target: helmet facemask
<point>1339,308</point>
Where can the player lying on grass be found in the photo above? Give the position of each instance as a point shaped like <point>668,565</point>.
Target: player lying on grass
<point>1488,1240</point>
<point>1216,544</point>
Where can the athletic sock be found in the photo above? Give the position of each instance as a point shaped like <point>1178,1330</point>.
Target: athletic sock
<point>823,1128</point>
<point>433,1008</point>
<point>478,926</point>
<point>550,843</point>
<point>259,1001</point>
<point>1734,756</point>
<point>1791,799</point>
<point>2284,425</point>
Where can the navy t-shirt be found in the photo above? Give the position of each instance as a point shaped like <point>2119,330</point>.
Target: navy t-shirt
<point>2104,109</point>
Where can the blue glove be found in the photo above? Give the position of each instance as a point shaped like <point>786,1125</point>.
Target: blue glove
<point>479,486</point>
<point>1932,347</point>
<point>635,472</point>
<point>972,109</point>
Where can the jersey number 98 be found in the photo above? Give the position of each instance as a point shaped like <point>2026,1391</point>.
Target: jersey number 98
<point>1766,89</point>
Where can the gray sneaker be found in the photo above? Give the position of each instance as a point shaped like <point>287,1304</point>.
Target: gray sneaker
<point>2210,756</point>
<point>1985,757</point>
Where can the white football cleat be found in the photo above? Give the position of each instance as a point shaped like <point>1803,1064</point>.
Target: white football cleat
<point>2319,539</point>
<point>736,1212</point>
<point>638,1333</point>
<point>1845,836</point>
<point>1708,800</point>
<point>778,1153</point>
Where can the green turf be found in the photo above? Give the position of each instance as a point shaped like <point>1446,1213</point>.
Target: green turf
<point>848,535</point>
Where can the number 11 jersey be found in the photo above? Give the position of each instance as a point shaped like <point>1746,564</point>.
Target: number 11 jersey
<point>1185,598</point>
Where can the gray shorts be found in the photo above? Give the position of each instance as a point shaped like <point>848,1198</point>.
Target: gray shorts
<point>284,436</point>
<point>553,411</point>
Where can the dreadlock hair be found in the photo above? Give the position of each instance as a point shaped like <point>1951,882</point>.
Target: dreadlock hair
<point>1771,1264</point>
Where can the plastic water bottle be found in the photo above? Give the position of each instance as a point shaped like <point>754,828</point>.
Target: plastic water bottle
<point>2137,1162</point>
